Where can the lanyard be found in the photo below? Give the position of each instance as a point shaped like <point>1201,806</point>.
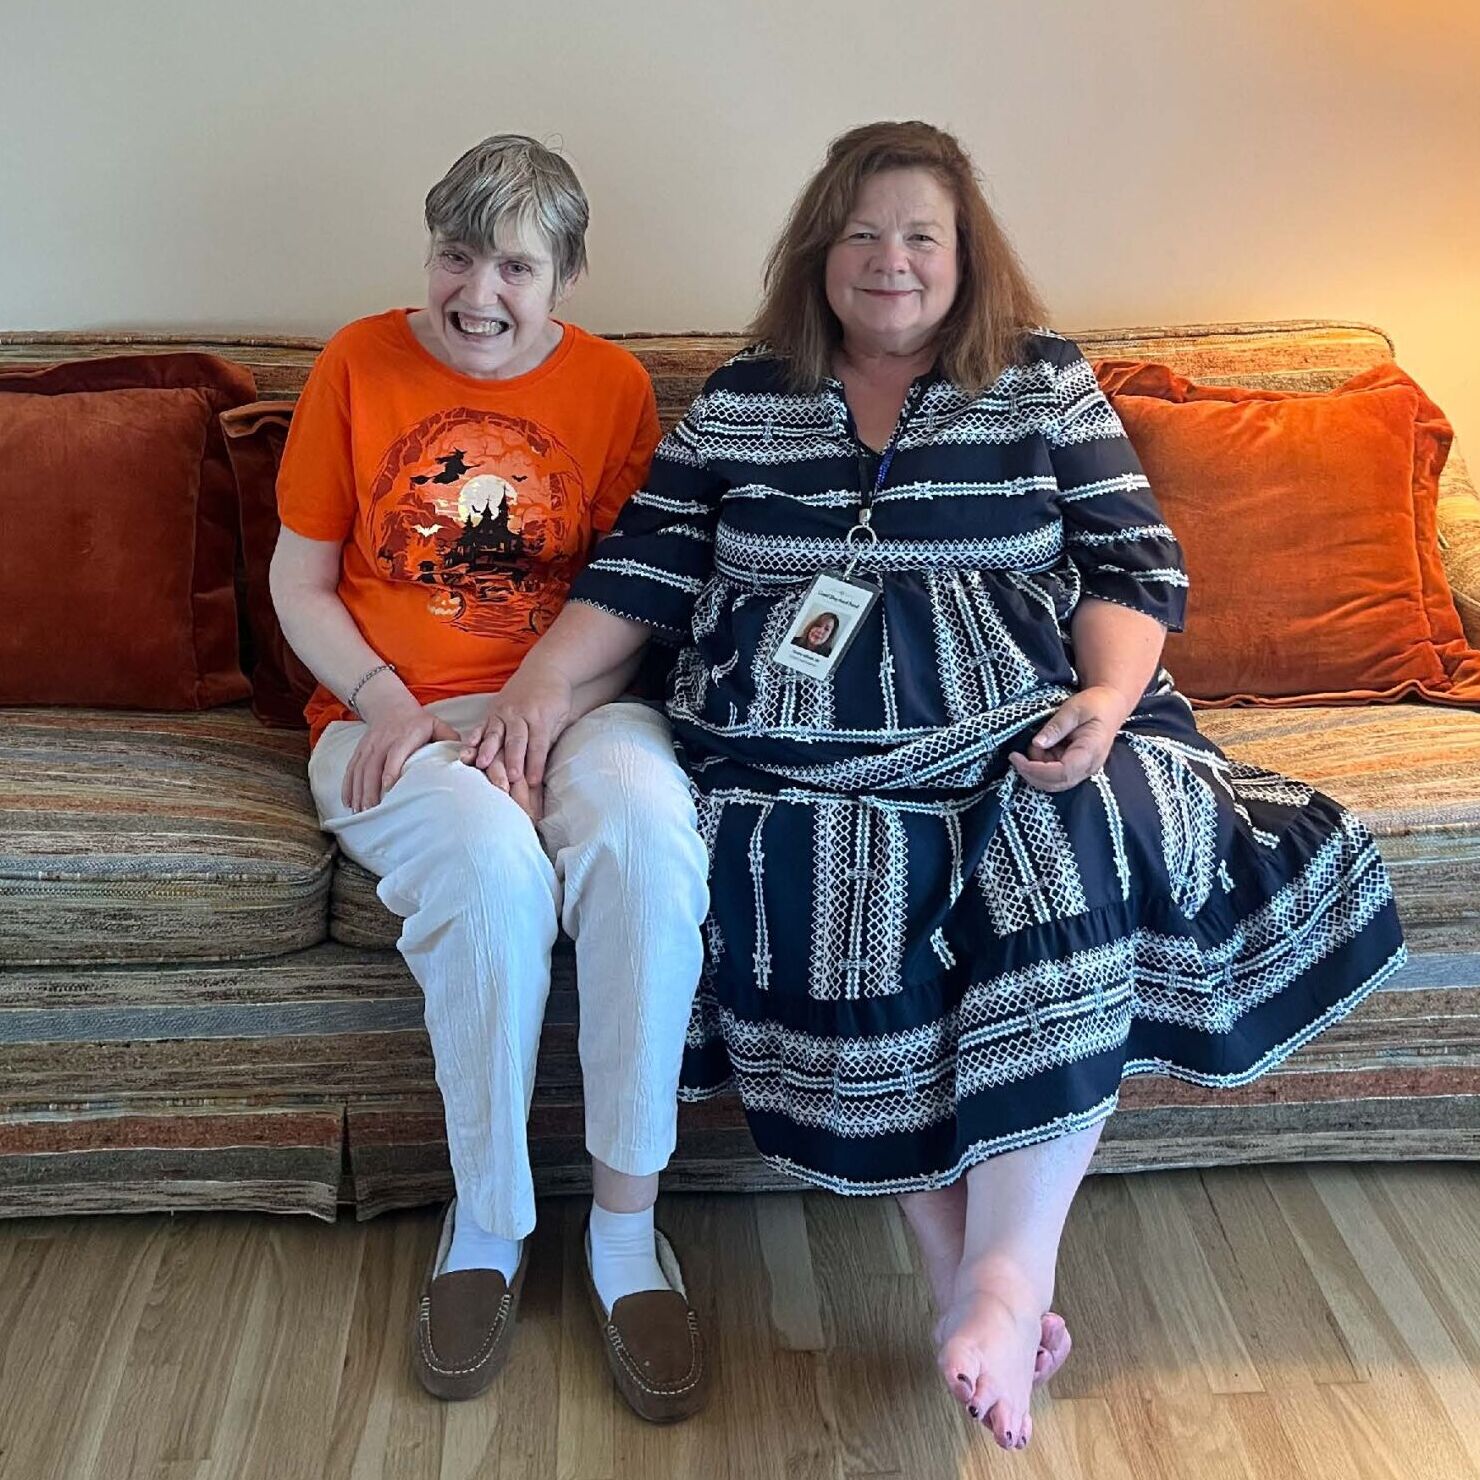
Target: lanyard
<point>863,535</point>
<point>868,494</point>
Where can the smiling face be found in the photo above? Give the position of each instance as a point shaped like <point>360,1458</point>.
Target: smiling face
<point>488,314</point>
<point>892,275</point>
<point>820,632</point>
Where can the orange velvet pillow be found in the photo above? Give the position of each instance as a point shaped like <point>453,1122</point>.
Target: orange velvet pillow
<point>255,435</point>
<point>119,540</point>
<point>1308,523</point>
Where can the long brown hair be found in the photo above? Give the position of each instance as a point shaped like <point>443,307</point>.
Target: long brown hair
<point>995,303</point>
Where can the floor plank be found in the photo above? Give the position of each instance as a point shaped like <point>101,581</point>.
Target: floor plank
<point>1193,1312</point>
<point>1243,1324</point>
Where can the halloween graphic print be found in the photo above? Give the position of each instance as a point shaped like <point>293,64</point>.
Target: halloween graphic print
<point>484,509</point>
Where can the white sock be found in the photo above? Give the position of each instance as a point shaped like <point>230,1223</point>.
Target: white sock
<point>473,1247</point>
<point>624,1257</point>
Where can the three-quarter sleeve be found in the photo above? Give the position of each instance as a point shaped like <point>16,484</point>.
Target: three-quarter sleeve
<point>660,552</point>
<point>1113,529</point>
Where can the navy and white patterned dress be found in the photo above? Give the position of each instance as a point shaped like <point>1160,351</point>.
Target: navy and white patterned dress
<point>914,959</point>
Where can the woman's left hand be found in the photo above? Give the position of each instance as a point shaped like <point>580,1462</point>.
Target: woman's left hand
<point>1076,740</point>
<point>513,741</point>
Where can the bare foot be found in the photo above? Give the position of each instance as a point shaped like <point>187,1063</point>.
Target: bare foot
<point>989,1343</point>
<point>1054,1346</point>
<point>1054,1341</point>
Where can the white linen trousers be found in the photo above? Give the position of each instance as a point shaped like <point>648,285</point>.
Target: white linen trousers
<point>616,861</point>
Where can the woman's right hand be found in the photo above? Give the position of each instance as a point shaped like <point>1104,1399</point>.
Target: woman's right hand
<point>392,736</point>
<point>305,590</point>
<point>525,718</point>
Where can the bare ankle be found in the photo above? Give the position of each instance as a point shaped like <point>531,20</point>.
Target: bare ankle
<point>1024,1289</point>
<point>937,1220</point>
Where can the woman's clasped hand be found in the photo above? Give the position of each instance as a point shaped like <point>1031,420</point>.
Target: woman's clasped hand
<point>511,743</point>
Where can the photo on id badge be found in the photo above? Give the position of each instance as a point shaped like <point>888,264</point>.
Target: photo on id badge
<point>826,622</point>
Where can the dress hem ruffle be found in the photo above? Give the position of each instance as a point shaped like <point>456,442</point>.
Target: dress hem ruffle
<point>1076,1122</point>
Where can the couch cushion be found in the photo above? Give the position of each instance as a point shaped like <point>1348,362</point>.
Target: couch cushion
<point>255,436</point>
<point>156,837</point>
<point>1411,772</point>
<point>120,513</point>
<point>356,915</point>
<point>1308,523</point>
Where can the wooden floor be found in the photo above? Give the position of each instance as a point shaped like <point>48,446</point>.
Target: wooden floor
<point>1280,1322</point>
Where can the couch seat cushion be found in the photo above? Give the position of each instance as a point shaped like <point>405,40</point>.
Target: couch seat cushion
<point>156,837</point>
<point>1411,772</point>
<point>356,915</point>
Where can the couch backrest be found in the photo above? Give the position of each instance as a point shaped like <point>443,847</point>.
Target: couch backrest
<point>1297,355</point>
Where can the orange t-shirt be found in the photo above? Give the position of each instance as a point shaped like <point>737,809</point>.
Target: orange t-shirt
<point>465,506</point>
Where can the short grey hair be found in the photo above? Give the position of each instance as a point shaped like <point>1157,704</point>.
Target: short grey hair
<point>512,180</point>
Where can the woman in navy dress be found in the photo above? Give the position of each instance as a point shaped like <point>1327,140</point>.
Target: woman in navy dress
<point>974,865</point>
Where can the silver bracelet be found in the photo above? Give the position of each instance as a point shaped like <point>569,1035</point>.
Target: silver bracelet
<point>364,679</point>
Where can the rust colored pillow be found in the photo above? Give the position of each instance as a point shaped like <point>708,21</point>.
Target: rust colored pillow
<point>118,533</point>
<point>1308,522</point>
<point>255,435</point>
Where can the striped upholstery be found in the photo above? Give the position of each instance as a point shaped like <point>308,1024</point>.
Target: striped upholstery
<point>217,1085</point>
<point>226,1085</point>
<point>201,1007</point>
<point>1399,1078</point>
<point>274,1159</point>
<point>1306,355</point>
<point>356,915</point>
<point>179,837</point>
<point>1410,771</point>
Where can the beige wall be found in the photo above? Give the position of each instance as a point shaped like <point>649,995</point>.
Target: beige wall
<point>209,165</point>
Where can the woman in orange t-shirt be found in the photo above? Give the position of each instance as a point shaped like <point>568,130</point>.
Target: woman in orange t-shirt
<point>446,474</point>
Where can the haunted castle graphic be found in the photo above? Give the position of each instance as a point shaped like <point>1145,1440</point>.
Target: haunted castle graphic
<point>490,544</point>
<point>485,510</point>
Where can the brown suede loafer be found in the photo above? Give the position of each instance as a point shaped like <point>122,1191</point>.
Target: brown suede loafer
<point>653,1345</point>
<point>464,1323</point>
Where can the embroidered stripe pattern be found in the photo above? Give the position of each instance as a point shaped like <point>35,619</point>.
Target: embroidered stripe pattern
<point>915,959</point>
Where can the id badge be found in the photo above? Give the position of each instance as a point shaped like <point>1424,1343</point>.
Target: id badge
<point>826,623</point>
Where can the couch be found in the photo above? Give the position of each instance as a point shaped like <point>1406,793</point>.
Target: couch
<point>201,1006</point>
